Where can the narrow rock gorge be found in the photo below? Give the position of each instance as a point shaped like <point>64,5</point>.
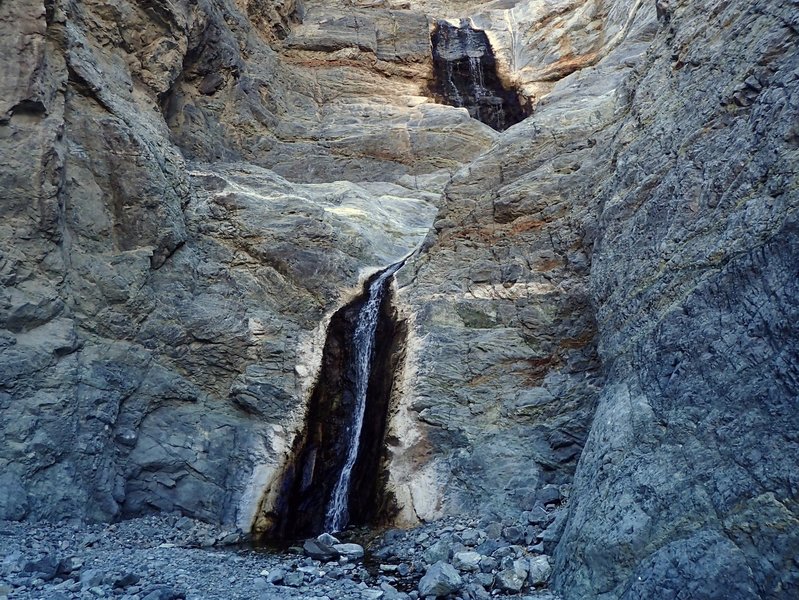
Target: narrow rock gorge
<point>597,205</point>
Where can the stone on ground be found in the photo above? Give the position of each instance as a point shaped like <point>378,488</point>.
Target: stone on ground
<point>440,580</point>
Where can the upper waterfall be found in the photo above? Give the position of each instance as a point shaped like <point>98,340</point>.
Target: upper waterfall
<point>466,76</point>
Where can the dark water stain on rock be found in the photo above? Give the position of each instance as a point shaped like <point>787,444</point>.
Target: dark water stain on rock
<point>465,75</point>
<point>319,452</point>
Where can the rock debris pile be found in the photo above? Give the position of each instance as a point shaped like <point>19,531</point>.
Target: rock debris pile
<point>173,557</point>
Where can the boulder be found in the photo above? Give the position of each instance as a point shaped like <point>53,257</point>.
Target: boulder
<point>439,581</point>
<point>512,579</point>
<point>45,567</point>
<point>437,552</point>
<point>349,551</point>
<point>540,570</point>
<point>467,561</point>
<point>319,550</point>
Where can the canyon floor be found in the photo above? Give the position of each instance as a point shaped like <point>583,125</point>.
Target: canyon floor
<point>171,557</point>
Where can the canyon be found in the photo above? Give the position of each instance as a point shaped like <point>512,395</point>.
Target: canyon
<point>599,292</point>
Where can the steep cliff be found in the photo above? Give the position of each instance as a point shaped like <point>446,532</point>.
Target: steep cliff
<point>688,477</point>
<point>605,298</point>
<point>163,320</point>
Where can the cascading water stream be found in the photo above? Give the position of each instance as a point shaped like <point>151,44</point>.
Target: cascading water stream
<point>335,475</point>
<point>466,76</point>
<point>337,514</point>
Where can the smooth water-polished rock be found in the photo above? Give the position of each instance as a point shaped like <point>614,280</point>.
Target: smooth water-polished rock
<point>159,320</point>
<point>319,549</point>
<point>349,551</point>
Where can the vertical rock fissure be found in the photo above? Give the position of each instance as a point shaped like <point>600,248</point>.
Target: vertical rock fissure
<point>465,75</point>
<point>333,478</point>
<point>337,516</point>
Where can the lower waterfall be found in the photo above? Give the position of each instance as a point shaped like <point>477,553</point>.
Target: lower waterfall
<point>334,477</point>
<point>337,515</point>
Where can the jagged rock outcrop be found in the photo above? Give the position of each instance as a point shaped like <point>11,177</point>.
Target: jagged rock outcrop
<point>688,477</point>
<point>506,371</point>
<point>674,158</point>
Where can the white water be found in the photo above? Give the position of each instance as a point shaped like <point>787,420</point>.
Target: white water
<point>337,515</point>
<point>455,95</point>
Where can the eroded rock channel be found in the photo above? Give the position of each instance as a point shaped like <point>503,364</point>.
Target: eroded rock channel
<point>335,477</point>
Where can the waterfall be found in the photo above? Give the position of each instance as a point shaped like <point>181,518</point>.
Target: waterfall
<point>337,514</point>
<point>452,89</point>
<point>333,477</point>
<point>465,70</point>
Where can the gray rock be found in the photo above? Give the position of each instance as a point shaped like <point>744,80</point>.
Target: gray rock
<point>126,580</point>
<point>689,343</point>
<point>489,547</point>
<point>472,537</point>
<point>512,579</point>
<point>505,551</point>
<point>45,567</point>
<point>630,247</point>
<point>90,578</point>
<point>294,579</point>
<point>319,550</point>
<point>474,591</point>
<point>162,593</point>
<point>515,535</point>
<point>440,551</point>
<point>440,580</point>
<point>13,498</point>
<point>467,561</point>
<point>260,584</point>
<point>488,564</point>
<point>276,576</point>
<point>141,230</point>
<point>549,494</point>
<point>392,593</point>
<point>539,516</point>
<point>540,570</point>
<point>493,530</point>
<point>349,551</point>
<point>552,534</point>
<point>184,523</point>
<point>328,539</point>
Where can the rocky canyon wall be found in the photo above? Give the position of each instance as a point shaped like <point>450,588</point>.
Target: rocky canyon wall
<point>163,319</point>
<point>688,475</point>
<point>604,296</point>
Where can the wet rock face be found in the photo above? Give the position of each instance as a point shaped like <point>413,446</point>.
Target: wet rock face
<point>466,76</point>
<point>320,450</point>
